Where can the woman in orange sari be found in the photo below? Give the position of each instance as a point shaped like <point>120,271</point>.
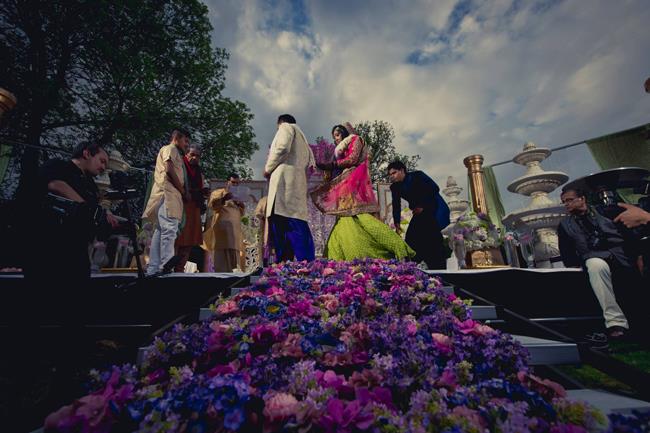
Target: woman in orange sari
<point>351,197</point>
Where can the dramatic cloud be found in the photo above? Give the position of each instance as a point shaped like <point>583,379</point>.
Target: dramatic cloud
<point>453,77</point>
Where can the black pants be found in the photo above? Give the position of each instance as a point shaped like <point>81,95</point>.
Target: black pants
<point>423,235</point>
<point>45,359</point>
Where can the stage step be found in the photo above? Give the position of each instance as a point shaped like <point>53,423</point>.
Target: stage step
<point>608,402</point>
<point>483,312</point>
<point>448,289</point>
<point>479,312</point>
<point>549,352</point>
<point>542,352</point>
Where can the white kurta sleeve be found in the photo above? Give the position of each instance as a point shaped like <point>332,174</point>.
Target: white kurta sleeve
<point>280,147</point>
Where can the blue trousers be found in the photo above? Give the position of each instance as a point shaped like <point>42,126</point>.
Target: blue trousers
<point>291,238</point>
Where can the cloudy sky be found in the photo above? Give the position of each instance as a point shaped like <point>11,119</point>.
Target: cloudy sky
<point>453,77</point>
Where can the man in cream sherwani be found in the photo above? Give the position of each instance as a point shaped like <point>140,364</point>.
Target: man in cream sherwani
<point>286,208</point>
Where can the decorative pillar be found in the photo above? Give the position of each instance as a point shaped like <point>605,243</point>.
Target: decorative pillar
<point>485,257</point>
<point>474,164</point>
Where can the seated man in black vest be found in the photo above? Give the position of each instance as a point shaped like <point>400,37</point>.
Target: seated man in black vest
<point>590,240</point>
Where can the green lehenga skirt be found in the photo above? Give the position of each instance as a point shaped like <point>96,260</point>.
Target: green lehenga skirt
<point>364,236</point>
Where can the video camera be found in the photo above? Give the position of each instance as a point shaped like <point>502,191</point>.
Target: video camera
<point>66,211</point>
<point>121,188</point>
<point>602,188</point>
<point>93,217</point>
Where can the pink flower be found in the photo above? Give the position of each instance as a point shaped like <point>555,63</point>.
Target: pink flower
<point>274,291</point>
<point>332,305</point>
<point>227,307</point>
<point>546,388</point>
<point>471,327</point>
<point>447,379</point>
<point>280,407</point>
<point>266,334</point>
<point>220,370</point>
<point>332,359</point>
<point>330,379</point>
<point>356,334</point>
<point>471,416</point>
<point>156,376</point>
<point>221,338</point>
<point>328,271</point>
<point>302,308</point>
<point>92,413</point>
<point>442,342</point>
<point>370,306</point>
<point>289,347</point>
<point>365,378</point>
<point>411,325</point>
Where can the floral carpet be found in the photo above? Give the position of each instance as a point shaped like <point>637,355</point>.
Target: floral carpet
<point>369,345</point>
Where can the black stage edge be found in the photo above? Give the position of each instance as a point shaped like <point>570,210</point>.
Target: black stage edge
<point>152,301</point>
<point>533,293</point>
<point>44,360</point>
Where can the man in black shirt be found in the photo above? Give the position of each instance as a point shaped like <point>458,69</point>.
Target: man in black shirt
<point>56,267</point>
<point>59,234</point>
<point>423,233</point>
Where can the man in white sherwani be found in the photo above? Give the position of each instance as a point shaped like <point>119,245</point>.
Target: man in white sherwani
<point>286,208</point>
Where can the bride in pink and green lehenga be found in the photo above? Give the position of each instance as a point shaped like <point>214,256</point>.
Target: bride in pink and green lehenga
<point>351,198</point>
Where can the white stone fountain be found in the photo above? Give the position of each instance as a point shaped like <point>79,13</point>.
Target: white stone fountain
<point>542,215</point>
<point>457,207</point>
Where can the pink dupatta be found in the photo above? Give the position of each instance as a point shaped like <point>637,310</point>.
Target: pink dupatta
<point>351,192</point>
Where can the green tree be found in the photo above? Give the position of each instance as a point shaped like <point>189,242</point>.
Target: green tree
<point>379,136</point>
<point>123,72</point>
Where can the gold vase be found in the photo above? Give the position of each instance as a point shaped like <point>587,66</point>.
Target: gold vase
<point>486,258</point>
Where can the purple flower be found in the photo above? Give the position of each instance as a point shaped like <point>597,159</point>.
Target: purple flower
<point>343,417</point>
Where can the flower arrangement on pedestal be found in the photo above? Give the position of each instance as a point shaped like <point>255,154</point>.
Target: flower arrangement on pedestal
<point>475,241</point>
<point>328,346</point>
<point>476,231</point>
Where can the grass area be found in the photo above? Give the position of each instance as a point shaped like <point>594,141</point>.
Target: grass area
<point>633,354</point>
<point>593,378</point>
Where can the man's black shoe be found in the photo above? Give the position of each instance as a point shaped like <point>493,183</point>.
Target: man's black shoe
<point>597,340</point>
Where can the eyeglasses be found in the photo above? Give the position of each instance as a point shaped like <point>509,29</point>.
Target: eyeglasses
<point>569,199</point>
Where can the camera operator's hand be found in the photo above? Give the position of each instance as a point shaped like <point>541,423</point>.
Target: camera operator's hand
<point>110,218</point>
<point>633,216</point>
